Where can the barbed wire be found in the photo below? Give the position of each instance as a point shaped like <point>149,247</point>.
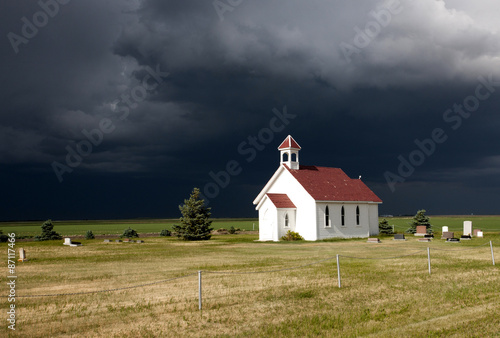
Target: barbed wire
<point>376,258</point>
<point>101,291</point>
<point>241,272</point>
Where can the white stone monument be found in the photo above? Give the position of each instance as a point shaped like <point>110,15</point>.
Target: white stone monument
<point>467,228</point>
<point>67,241</point>
<point>444,229</point>
<point>22,255</point>
<point>480,234</point>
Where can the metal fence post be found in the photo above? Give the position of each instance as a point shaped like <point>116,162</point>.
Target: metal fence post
<point>492,255</point>
<point>338,269</point>
<point>199,289</point>
<point>429,258</point>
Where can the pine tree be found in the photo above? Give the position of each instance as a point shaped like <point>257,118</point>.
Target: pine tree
<point>420,219</point>
<point>47,232</point>
<point>384,227</point>
<point>195,225</point>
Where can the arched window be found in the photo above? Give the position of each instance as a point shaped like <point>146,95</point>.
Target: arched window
<point>294,157</point>
<point>285,157</point>
<point>327,217</point>
<point>286,221</point>
<point>357,215</point>
<point>342,216</point>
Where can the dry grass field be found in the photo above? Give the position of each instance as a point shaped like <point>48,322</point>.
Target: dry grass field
<point>379,297</point>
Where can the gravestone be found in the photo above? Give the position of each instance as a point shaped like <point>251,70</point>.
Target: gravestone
<point>467,228</point>
<point>421,230</point>
<point>429,236</point>
<point>425,239</point>
<point>139,241</point>
<point>447,235</point>
<point>126,240</point>
<point>444,229</point>
<point>453,240</point>
<point>373,240</point>
<point>22,255</point>
<point>67,241</point>
<point>476,231</point>
<point>399,237</point>
<point>480,234</point>
<point>465,237</point>
<point>107,241</point>
<point>118,240</point>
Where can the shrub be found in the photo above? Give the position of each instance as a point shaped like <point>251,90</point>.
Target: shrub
<point>292,236</point>
<point>384,227</point>
<point>89,235</point>
<point>47,232</point>
<point>129,233</point>
<point>420,218</point>
<point>3,237</point>
<point>232,230</point>
<point>166,233</point>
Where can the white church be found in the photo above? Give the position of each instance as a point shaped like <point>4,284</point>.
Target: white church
<point>317,202</point>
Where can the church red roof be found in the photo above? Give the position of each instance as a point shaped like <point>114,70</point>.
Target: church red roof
<point>332,184</point>
<point>289,142</point>
<point>281,200</point>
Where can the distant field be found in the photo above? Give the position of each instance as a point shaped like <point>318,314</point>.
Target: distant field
<point>454,223</point>
<point>104,227</point>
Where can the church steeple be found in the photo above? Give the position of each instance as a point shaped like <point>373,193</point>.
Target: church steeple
<point>289,153</point>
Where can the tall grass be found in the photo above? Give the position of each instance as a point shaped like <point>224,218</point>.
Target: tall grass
<point>380,297</point>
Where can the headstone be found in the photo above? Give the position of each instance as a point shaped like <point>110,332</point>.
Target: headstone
<point>22,255</point>
<point>447,235</point>
<point>118,240</point>
<point>466,237</point>
<point>480,234</point>
<point>421,230</point>
<point>467,228</point>
<point>453,240</point>
<point>67,241</point>
<point>476,231</point>
<point>373,240</point>
<point>425,239</point>
<point>444,229</point>
<point>107,241</point>
<point>126,240</point>
<point>399,237</point>
<point>429,236</point>
<point>139,241</point>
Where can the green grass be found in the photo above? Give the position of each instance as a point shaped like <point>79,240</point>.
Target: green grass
<point>454,223</point>
<point>104,227</point>
<point>379,297</point>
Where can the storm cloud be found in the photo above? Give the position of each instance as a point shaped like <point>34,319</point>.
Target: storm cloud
<point>119,108</point>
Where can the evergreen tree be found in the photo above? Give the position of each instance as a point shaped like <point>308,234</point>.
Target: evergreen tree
<point>47,232</point>
<point>384,227</point>
<point>195,225</point>
<point>420,219</point>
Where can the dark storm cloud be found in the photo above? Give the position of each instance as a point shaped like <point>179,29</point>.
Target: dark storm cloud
<point>361,100</point>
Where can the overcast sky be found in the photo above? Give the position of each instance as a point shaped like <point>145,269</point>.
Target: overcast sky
<point>117,109</point>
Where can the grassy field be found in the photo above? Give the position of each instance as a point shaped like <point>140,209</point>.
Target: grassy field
<point>379,297</point>
<point>102,227</point>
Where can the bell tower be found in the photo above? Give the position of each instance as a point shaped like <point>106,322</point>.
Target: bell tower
<point>289,153</point>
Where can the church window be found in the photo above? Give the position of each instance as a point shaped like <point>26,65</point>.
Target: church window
<point>342,216</point>
<point>357,215</point>
<point>327,217</point>
<point>286,221</point>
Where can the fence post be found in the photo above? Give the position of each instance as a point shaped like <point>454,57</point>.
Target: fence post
<point>199,289</point>
<point>492,255</point>
<point>429,258</point>
<point>338,269</point>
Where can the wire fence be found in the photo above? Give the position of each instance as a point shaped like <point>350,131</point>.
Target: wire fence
<point>200,272</point>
